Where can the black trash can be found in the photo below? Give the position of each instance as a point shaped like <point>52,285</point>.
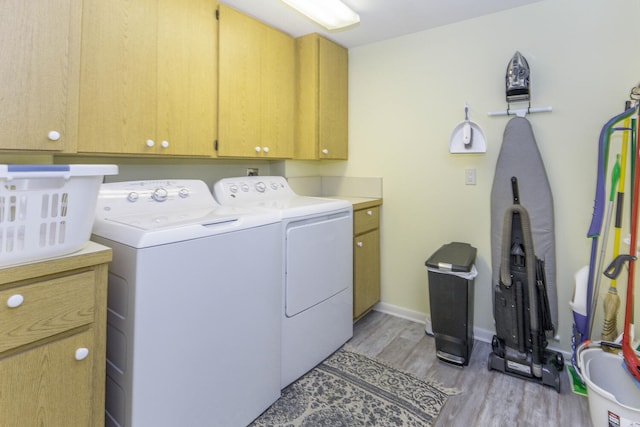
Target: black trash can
<point>451,272</point>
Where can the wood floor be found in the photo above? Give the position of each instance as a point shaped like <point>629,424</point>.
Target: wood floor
<point>487,398</point>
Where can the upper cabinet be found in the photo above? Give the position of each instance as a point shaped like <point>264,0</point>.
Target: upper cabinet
<point>148,77</point>
<point>40,45</point>
<point>322,99</point>
<point>256,88</point>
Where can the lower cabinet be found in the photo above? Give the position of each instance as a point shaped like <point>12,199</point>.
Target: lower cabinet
<point>366,258</point>
<point>53,341</point>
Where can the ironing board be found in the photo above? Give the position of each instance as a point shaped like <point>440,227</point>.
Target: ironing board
<point>519,156</point>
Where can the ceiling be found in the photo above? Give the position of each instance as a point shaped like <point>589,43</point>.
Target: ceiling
<point>379,19</point>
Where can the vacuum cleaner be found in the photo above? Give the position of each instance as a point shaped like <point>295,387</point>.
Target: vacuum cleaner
<point>521,306</point>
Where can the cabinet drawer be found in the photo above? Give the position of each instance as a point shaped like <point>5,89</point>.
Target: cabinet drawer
<point>365,220</point>
<point>47,308</point>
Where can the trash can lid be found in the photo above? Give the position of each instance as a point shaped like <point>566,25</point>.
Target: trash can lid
<point>454,256</point>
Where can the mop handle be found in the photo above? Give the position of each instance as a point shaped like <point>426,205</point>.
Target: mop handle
<point>620,199</point>
<point>631,360</point>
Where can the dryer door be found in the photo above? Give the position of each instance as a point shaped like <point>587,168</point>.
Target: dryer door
<point>318,260</point>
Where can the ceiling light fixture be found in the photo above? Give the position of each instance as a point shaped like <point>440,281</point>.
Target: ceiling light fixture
<point>331,14</point>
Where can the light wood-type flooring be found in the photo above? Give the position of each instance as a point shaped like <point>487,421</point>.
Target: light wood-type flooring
<point>487,398</point>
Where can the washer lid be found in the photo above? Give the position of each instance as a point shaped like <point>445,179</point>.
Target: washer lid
<point>150,213</point>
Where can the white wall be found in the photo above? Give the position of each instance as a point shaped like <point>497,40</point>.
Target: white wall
<point>407,94</point>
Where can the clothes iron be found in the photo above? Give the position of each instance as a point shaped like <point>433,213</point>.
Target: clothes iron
<point>517,79</point>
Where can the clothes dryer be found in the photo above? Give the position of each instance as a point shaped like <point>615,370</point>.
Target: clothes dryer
<point>193,333</point>
<point>317,281</point>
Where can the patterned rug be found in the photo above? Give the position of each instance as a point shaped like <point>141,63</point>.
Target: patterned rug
<point>350,390</point>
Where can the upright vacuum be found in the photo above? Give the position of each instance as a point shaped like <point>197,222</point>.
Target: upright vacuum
<point>521,306</point>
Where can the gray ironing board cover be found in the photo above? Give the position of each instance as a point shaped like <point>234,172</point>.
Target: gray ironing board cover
<point>519,156</point>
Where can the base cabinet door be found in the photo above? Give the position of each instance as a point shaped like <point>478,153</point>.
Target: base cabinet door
<point>366,277</point>
<point>47,385</point>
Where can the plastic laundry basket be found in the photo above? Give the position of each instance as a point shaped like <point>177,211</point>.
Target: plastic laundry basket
<point>47,210</point>
<point>614,397</point>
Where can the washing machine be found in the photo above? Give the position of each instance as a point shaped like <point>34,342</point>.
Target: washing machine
<point>317,281</point>
<point>194,321</point>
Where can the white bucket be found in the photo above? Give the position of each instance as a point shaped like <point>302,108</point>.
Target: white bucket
<point>614,396</point>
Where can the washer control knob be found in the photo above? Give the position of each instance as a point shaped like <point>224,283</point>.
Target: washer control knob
<point>265,149</point>
<point>245,188</point>
<point>261,186</point>
<point>184,193</point>
<point>274,186</point>
<point>233,188</point>
<point>150,143</point>
<point>160,194</point>
<point>258,149</point>
<point>325,151</point>
<point>133,197</point>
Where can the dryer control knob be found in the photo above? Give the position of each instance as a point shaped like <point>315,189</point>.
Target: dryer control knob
<point>160,194</point>
<point>245,188</point>
<point>233,188</point>
<point>133,197</point>
<point>184,193</point>
<point>261,186</point>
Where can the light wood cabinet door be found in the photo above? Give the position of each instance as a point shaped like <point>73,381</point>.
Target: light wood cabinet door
<point>366,272</point>
<point>48,386</point>
<point>256,88</point>
<point>187,77</point>
<point>53,340</point>
<point>321,99</point>
<point>40,45</point>
<point>333,101</point>
<point>148,77</point>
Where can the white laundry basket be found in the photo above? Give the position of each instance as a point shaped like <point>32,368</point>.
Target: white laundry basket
<point>47,210</point>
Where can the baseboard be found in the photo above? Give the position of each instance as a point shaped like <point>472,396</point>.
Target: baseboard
<point>418,317</point>
<point>480,334</point>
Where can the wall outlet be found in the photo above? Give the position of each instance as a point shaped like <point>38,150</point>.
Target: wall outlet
<point>252,171</point>
<point>470,177</point>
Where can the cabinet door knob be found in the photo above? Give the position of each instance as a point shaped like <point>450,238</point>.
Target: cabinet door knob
<point>325,151</point>
<point>15,301</point>
<point>53,135</point>
<point>265,149</point>
<point>359,244</point>
<point>370,213</point>
<point>82,353</point>
<point>164,144</point>
<point>258,149</point>
<point>150,143</point>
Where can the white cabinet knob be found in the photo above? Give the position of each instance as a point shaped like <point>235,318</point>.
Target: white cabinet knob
<point>82,353</point>
<point>369,213</point>
<point>325,151</point>
<point>265,149</point>
<point>164,144</point>
<point>258,149</point>
<point>150,143</point>
<point>359,244</point>
<point>15,301</point>
<point>54,135</point>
